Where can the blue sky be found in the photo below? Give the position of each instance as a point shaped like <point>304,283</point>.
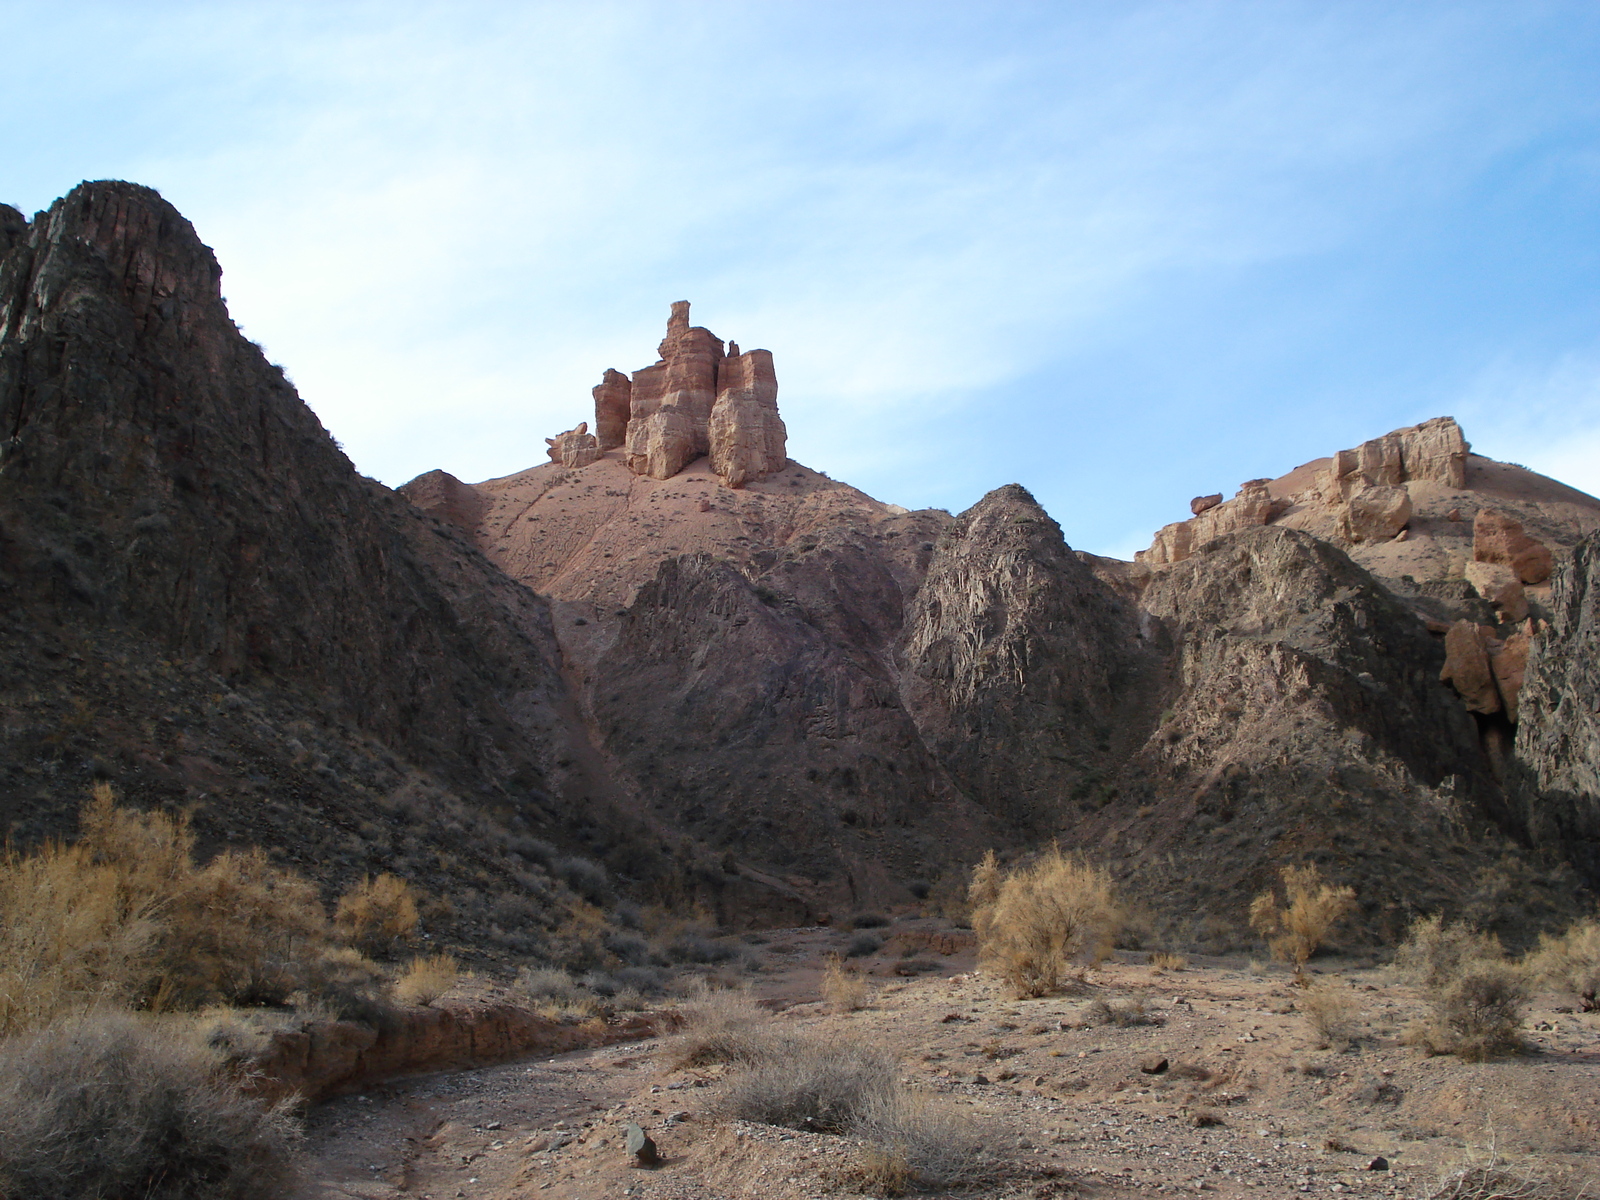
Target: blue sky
<point>1121,253</point>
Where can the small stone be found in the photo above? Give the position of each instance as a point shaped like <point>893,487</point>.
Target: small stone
<point>640,1146</point>
<point>1380,1163</point>
<point>1153,1064</point>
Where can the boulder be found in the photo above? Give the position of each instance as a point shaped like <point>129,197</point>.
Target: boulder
<point>1376,513</point>
<point>1201,503</point>
<point>1466,666</point>
<point>574,448</point>
<point>1499,585</point>
<point>1497,538</point>
<point>613,397</point>
<point>641,1145</point>
<point>747,436</point>
<point>661,444</point>
<point>1509,662</point>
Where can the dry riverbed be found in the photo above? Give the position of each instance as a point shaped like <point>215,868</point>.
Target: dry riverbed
<point>1247,1104</point>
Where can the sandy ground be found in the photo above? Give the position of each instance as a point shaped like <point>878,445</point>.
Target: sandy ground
<point>1248,1104</point>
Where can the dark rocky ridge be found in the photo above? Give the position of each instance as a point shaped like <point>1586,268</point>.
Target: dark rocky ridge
<point>827,699</point>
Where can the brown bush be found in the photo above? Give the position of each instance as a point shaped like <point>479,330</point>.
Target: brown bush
<point>1295,927</point>
<point>1572,962</point>
<point>1035,921</point>
<point>726,1026</point>
<point>1476,997</point>
<point>1333,1014</point>
<point>125,916</point>
<point>843,990</point>
<point>378,914</point>
<point>426,979</point>
<point>109,1104</point>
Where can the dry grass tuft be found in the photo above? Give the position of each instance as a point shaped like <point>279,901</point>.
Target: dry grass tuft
<point>1297,925</point>
<point>378,914</point>
<point>1333,1014</point>
<point>1161,960</point>
<point>426,979</point>
<point>1477,997</point>
<point>821,1086</point>
<point>1035,921</point>
<point>843,990</point>
<point>109,1104</point>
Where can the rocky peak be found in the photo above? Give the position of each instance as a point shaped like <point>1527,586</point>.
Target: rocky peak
<point>697,399</point>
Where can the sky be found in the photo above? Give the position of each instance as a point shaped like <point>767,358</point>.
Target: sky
<point>1121,253</point>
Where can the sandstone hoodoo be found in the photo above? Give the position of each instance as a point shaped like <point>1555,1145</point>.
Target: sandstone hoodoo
<point>700,398</point>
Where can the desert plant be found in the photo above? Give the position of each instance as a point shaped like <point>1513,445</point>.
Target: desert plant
<point>426,979</point>
<point>1036,920</point>
<point>1161,960</point>
<point>1571,961</point>
<point>1295,927</point>
<point>1333,1015</point>
<point>824,1086</point>
<point>109,1104</point>
<point>1120,1013</point>
<point>914,1140</point>
<point>863,944</point>
<point>125,916</point>
<point>1475,996</point>
<point>378,914</point>
<point>1494,1179</point>
<point>867,921</point>
<point>725,1026</point>
<point>843,990</point>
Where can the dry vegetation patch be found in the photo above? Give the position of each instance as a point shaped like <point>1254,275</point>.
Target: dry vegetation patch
<point>1036,921</point>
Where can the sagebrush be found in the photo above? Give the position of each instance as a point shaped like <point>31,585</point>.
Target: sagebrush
<point>1475,996</point>
<point>1037,920</point>
<point>111,1105</point>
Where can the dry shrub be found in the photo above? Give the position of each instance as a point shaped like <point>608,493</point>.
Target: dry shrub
<point>726,1026</point>
<point>1163,961</point>
<point>109,1104</point>
<point>844,990</point>
<point>819,1085</point>
<point>1477,998</point>
<point>1333,1014</point>
<point>915,1140</point>
<point>378,914</point>
<point>1035,921</point>
<point>1497,1180</point>
<point>1120,1013</point>
<point>426,979</point>
<point>1295,927</point>
<point>1572,962</point>
<point>124,916</point>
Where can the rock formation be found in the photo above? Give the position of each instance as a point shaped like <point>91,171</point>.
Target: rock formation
<point>1497,538</point>
<point>613,406</point>
<point>748,440</point>
<point>1202,504</point>
<point>575,448</point>
<point>696,399</point>
<point>1558,736</point>
<point>1253,505</point>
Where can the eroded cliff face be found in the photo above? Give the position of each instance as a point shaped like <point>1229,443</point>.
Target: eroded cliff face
<point>207,606</point>
<point>1558,736</point>
<point>1027,676</point>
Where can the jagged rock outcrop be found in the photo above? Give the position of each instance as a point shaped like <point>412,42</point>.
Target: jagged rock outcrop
<point>613,405</point>
<point>248,628</point>
<point>440,494</point>
<point>1466,666</point>
<point>1434,450</point>
<point>1497,538</point>
<point>1376,513</point>
<point>1253,505</point>
<point>1026,674</point>
<point>1202,504</point>
<point>748,440</point>
<point>1558,735</point>
<point>575,448</point>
